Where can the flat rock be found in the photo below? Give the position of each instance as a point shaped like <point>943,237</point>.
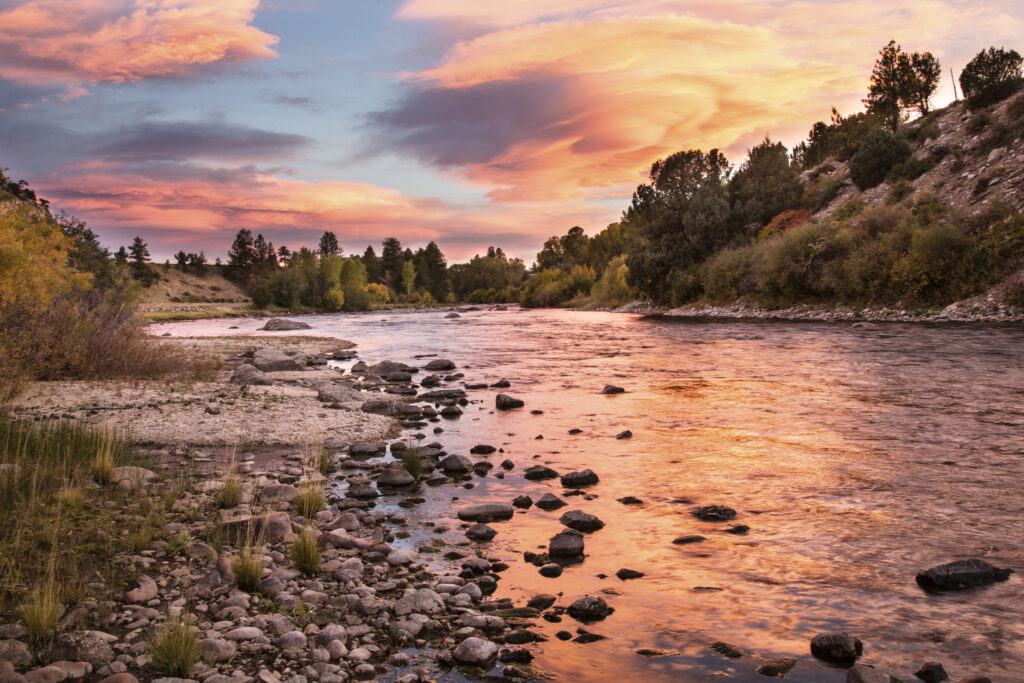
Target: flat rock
<point>612,389</point>
<point>961,575</point>
<point>284,325</point>
<point>339,392</point>
<point>490,512</point>
<point>392,408</point>
<point>866,674</point>
<point>627,574</point>
<point>774,668</point>
<point>714,513</point>
<point>274,360</point>
<point>396,477</point>
<point>726,649</point>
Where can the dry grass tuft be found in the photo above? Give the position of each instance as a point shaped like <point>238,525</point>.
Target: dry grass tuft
<point>310,499</point>
<point>175,648</point>
<point>247,568</point>
<point>41,612</point>
<point>305,551</point>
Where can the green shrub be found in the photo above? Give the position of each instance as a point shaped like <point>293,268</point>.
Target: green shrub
<point>879,153</point>
<point>247,568</point>
<point>731,273</point>
<point>912,168</point>
<point>898,191</point>
<point>412,462</point>
<point>993,75</point>
<point>612,288</point>
<point>309,500</point>
<point>820,193</point>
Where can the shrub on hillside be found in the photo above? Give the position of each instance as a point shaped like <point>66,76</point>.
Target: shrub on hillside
<point>992,76</point>
<point>879,153</point>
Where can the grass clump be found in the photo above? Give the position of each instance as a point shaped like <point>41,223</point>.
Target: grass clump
<point>247,568</point>
<point>305,551</point>
<point>41,612</point>
<point>412,461</point>
<point>230,493</point>
<point>324,462</point>
<point>310,499</point>
<point>175,648</point>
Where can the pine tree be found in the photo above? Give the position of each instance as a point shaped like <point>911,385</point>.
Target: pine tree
<point>241,255</point>
<point>392,259</point>
<point>438,282</point>
<point>372,265</point>
<point>138,255</point>
<point>329,244</point>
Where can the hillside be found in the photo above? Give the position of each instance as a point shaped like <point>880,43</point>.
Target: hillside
<point>188,294</point>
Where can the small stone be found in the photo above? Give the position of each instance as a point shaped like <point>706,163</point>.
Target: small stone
<point>686,540</point>
<point>539,473</point>
<point>506,402</point>
<point>626,574</point>
<point>612,389</point>
<point>549,502</point>
<point>960,575</point>
<point>574,480</point>
<point>624,435</point>
<point>480,532</point>
<point>630,500</point>
<point>522,502</point>
<point>726,650</point>
<point>581,521</point>
<point>566,544</point>
<point>714,513</point>
<point>777,667</point>
<point>551,571</point>
<point>542,601</point>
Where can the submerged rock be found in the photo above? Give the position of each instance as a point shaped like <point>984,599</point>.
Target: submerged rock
<point>574,480</point>
<point>960,575</point>
<point>726,649</point>
<point>866,674</point>
<point>566,543</point>
<point>539,473</point>
<point>480,532</point>
<point>714,513</point>
<point>774,668</point>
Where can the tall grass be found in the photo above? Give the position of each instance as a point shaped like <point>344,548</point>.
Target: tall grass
<point>41,611</point>
<point>412,461</point>
<point>175,648</point>
<point>247,567</point>
<point>305,551</point>
<point>310,499</point>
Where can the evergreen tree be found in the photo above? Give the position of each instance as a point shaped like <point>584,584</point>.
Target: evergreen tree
<point>329,244</point>
<point>241,255</point>
<point>182,259</point>
<point>284,255</point>
<point>138,255</point>
<point>439,283</point>
<point>392,259</point>
<point>372,265</point>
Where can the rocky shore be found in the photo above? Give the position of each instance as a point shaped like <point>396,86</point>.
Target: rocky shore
<point>370,602</point>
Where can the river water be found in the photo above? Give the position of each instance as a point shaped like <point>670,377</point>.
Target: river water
<point>857,455</point>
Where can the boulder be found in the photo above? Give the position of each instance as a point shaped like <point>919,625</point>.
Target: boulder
<point>581,521</point>
<point>395,477</point>
<point>523,502</point>
<point>574,480</point>
<point>442,395</point>
<point>539,473</point>
<point>420,601</point>
<point>490,512</point>
<point>590,608</point>
<point>567,544</point>
<point>549,502</point>
<point>456,464</point>
<point>274,360</point>
<point>627,574</point>
<point>932,672</point>
<point>386,367</point>
<point>612,389</point>
<point>506,402</point>
<point>247,374</point>
<point>480,532</point>
<point>439,364</point>
<point>392,408</point>
<point>146,591</point>
<point>840,648</point>
<point>284,325</point>
<point>339,392</point>
<point>960,575</point>
<point>475,651</point>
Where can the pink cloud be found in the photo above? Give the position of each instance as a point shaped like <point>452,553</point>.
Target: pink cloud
<point>126,40</point>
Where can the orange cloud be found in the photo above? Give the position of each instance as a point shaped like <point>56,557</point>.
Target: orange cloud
<point>126,40</point>
<point>578,103</point>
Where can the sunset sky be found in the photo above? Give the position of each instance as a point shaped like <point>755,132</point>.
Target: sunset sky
<point>469,122</point>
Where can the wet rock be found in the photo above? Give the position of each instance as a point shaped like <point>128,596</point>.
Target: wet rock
<point>486,512</point>
<point>612,389</point>
<point>624,435</point>
<point>725,649</point>
<point>581,521</point>
<point>482,449</point>
<point>932,672</point>
<point>442,395</point>
<point>386,367</point>
<point>456,464</point>
<point>430,381</point>
<point>590,608</point>
<point>714,513</point>
<point>439,365</point>
<point>480,532</point>
<point>626,574</point>
<point>396,477</point>
<point>451,412</point>
<point>515,654</point>
<point>840,648</point>
<point>542,601</point>
<point>539,473</point>
<point>738,529</point>
<point>961,575</point>
<point>574,480</point>
<point>777,667</point>
<point>453,315</point>
<point>507,464</point>
<point>419,601</point>
<point>551,570</point>
<point>392,408</point>
<point>586,636</point>
<point>567,544</point>
<point>866,674</point>
<point>550,501</point>
<point>523,502</point>
<point>563,635</point>
<point>249,375</point>
<point>686,540</point>
<point>501,384</point>
<point>273,360</point>
<point>575,430</point>
<point>506,402</point>
<point>630,500</point>
<point>284,325</point>
<point>475,652</point>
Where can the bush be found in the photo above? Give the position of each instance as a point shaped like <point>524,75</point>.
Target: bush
<point>247,568</point>
<point>898,191</point>
<point>731,274</point>
<point>612,289</point>
<point>879,153</point>
<point>175,648</point>
<point>912,168</point>
<point>819,193</point>
<point>992,76</point>
<point>305,551</point>
<point>786,220</point>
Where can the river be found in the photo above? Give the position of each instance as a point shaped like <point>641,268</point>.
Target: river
<point>857,455</point>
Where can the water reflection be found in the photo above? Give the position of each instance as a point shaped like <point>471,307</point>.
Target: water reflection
<point>856,455</point>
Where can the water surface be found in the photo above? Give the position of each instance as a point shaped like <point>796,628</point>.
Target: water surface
<point>857,455</point>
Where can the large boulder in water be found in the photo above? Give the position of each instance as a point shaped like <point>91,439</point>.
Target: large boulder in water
<point>574,480</point>
<point>581,521</point>
<point>439,364</point>
<point>960,575</point>
<point>283,324</point>
<point>566,544</point>
<point>840,648</point>
<point>386,367</point>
